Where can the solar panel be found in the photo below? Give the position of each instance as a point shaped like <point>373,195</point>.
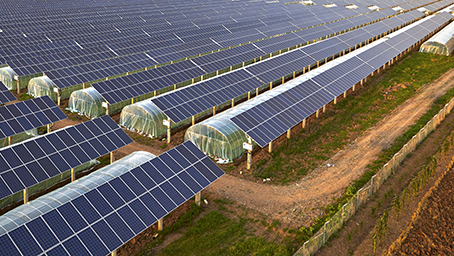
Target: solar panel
<point>270,119</point>
<point>191,100</point>
<point>102,219</point>
<point>33,161</point>
<point>5,95</point>
<point>26,115</point>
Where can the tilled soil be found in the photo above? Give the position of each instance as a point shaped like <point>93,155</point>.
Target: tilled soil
<point>433,233</point>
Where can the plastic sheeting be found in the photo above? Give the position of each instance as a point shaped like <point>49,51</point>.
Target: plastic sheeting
<point>441,43</point>
<point>7,78</point>
<point>40,86</point>
<point>87,102</point>
<point>52,200</point>
<point>143,117</point>
<point>19,137</point>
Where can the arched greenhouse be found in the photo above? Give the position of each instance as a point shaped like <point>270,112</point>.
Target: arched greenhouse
<point>143,117</point>
<point>54,199</point>
<point>42,85</point>
<point>7,78</point>
<point>86,102</point>
<point>221,138</point>
<point>441,43</point>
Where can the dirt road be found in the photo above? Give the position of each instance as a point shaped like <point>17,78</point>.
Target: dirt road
<point>305,199</point>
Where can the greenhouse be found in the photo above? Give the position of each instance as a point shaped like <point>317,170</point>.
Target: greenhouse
<point>144,118</point>
<point>54,199</point>
<point>221,139</point>
<point>7,75</point>
<point>87,102</point>
<point>40,86</point>
<point>441,43</point>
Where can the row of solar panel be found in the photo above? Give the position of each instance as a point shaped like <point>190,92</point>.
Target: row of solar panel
<point>26,164</point>
<point>102,219</point>
<point>117,90</point>
<point>270,119</point>
<point>26,115</point>
<point>178,105</point>
<point>166,54</point>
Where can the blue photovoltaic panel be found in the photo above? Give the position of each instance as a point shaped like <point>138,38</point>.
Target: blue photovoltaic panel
<point>33,161</point>
<point>270,119</point>
<point>192,100</point>
<point>101,220</point>
<point>26,115</point>
<point>5,95</point>
<point>137,84</point>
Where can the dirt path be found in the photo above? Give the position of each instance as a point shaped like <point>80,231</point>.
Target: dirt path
<point>305,199</point>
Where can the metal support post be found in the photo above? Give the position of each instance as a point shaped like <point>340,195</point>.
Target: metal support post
<point>288,133</point>
<point>73,175</point>
<point>256,91</point>
<point>316,113</point>
<point>48,128</point>
<point>271,85</point>
<point>304,123</point>
<point>112,157</point>
<point>160,224</point>
<point>345,94</point>
<point>249,154</point>
<point>18,85</point>
<point>198,198</point>
<point>25,195</point>
<point>168,133</point>
<point>214,111</point>
<point>9,140</point>
<point>193,120</point>
<point>233,103</point>
<point>114,253</point>
<point>324,108</point>
<point>248,95</point>
<point>270,147</point>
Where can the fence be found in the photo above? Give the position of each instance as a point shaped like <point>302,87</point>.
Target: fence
<point>335,222</point>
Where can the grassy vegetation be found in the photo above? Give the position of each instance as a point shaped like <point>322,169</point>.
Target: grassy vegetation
<point>185,221</point>
<point>351,116</point>
<point>215,234</point>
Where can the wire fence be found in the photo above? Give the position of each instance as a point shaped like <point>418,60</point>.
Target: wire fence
<point>348,209</point>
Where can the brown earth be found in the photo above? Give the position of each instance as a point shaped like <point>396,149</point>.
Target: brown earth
<point>355,238</point>
<point>433,233</point>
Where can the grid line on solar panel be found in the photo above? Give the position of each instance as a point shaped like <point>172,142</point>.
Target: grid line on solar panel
<point>83,225</point>
<point>186,102</point>
<point>264,127</point>
<point>27,115</point>
<point>33,161</point>
<point>5,95</point>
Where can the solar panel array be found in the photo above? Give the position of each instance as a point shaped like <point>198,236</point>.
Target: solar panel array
<point>120,89</point>
<point>101,220</point>
<point>192,100</point>
<point>28,163</point>
<point>270,119</point>
<point>66,69</point>
<point>26,115</point>
<point>5,95</point>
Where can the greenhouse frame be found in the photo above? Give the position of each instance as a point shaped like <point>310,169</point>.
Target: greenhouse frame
<point>441,43</point>
<point>54,199</point>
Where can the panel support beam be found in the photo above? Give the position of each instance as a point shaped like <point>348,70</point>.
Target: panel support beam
<point>249,154</point>
<point>198,198</point>
<point>160,224</point>
<point>73,175</point>
<point>112,157</point>
<point>169,133</point>
<point>25,195</point>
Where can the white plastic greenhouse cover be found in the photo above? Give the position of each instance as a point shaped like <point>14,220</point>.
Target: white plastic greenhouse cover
<point>52,200</point>
<point>87,102</point>
<point>7,77</point>
<point>221,138</point>
<point>441,43</point>
<point>143,117</point>
<point>41,86</point>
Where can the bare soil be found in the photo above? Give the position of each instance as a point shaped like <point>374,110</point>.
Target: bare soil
<point>356,237</point>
